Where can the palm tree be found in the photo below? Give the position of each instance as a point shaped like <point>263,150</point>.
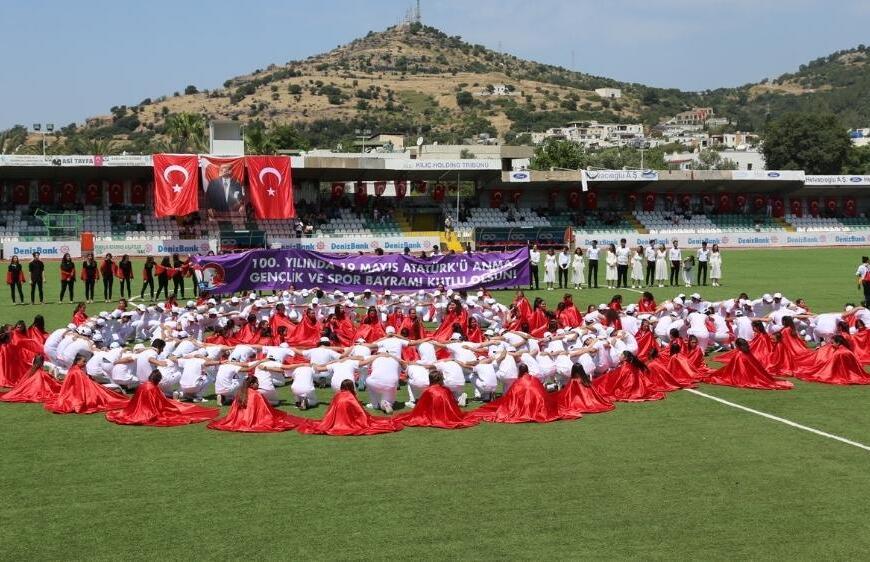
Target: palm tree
<point>186,132</point>
<point>258,140</point>
<point>12,139</point>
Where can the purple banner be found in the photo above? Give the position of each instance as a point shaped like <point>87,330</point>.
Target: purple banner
<point>303,269</point>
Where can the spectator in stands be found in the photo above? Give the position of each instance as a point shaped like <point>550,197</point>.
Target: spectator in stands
<point>148,277</point>
<point>67,277</point>
<point>125,272</point>
<point>36,267</point>
<point>675,256</point>
<point>15,278</point>
<point>90,274</point>
<point>140,225</point>
<point>592,259</point>
<point>107,271</point>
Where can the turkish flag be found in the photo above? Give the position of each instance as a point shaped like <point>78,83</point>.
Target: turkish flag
<point>116,193</point>
<point>68,193</point>
<point>46,194</point>
<point>270,186</point>
<point>137,193</point>
<point>176,189</point>
<point>92,193</point>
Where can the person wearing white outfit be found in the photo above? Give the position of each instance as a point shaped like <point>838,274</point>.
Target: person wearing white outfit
<point>715,266</point>
<point>578,269</point>
<point>637,259</point>
<point>610,273</point>
<point>661,266</point>
<point>383,381</point>
<point>550,269</point>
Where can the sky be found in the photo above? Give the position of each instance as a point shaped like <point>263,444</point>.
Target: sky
<point>63,61</point>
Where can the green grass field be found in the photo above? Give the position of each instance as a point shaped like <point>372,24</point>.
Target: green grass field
<point>686,477</point>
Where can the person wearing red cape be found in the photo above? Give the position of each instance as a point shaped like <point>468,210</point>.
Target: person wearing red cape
<point>342,326</point>
<point>646,340</point>
<point>345,416</point>
<point>307,332</point>
<point>455,314</point>
<point>525,401</point>
<point>13,360</point>
<point>149,406</point>
<point>79,394</point>
<point>436,407</point>
<point>569,316</point>
<point>789,350</point>
<point>252,413</point>
<point>36,331</point>
<point>37,386</point>
<point>579,396</point>
<point>743,370</point>
<point>670,373</point>
<point>629,382</point>
<point>370,328</point>
<point>835,364</point>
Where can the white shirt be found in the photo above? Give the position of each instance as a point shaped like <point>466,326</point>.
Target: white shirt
<point>191,372</point>
<point>460,352</point>
<point>862,270</point>
<point>592,253</point>
<point>143,365</point>
<point>393,346</point>
<point>650,253</point>
<point>321,355</point>
<point>534,257</point>
<point>674,254</point>
<point>384,371</point>
<point>703,255</point>
<point>453,374</point>
<point>622,255</point>
<point>224,381</point>
<point>564,260</point>
<point>743,328</point>
<point>342,371</point>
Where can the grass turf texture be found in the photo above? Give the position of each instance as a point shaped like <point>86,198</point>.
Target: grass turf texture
<point>684,477</point>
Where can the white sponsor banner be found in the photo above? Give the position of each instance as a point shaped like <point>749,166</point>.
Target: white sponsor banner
<point>620,175</point>
<point>520,176</point>
<point>130,160</point>
<point>768,175</point>
<point>367,244</point>
<point>445,165</point>
<point>837,180</point>
<point>50,249</point>
<point>152,247</point>
<point>747,239</point>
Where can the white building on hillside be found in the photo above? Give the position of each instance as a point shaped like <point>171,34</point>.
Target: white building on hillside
<point>609,93</point>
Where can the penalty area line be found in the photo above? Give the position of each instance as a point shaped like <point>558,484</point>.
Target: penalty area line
<point>780,420</point>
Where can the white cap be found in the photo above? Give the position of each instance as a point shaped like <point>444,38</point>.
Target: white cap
<point>304,292</point>
<point>547,335</point>
<point>212,302</point>
<point>360,340</point>
<point>766,297</point>
<point>183,334</point>
<point>602,306</point>
<point>212,311</point>
<point>678,300</point>
<point>103,314</point>
<point>777,295</point>
<point>252,296</point>
<point>390,330</point>
<point>324,340</point>
<point>116,314</point>
<point>738,313</point>
<point>489,333</point>
<point>70,326</point>
<point>114,345</point>
<point>97,337</point>
<point>190,304</point>
<point>315,300</point>
<point>696,296</point>
<point>350,296</point>
<point>100,322</point>
<point>84,330</point>
<point>161,306</point>
<point>456,336</point>
<point>142,308</point>
<point>139,347</point>
<point>234,300</point>
<point>387,293</point>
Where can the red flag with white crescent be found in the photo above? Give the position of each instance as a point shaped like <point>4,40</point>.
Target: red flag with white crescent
<point>176,186</point>
<point>270,186</point>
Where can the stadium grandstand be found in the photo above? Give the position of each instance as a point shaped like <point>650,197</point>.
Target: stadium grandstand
<point>106,204</point>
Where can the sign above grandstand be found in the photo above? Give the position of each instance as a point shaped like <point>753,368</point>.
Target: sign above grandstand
<point>153,247</point>
<point>768,175</point>
<point>74,160</point>
<point>47,250</point>
<point>587,176</point>
<point>365,244</point>
<point>744,239</point>
<point>468,164</point>
<point>837,180</point>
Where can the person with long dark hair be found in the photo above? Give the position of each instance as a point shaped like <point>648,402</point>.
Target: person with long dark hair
<point>177,276</point>
<point>107,271</point>
<point>125,272</point>
<point>251,412</point>
<point>148,277</point>
<point>67,277</point>
<point>90,274</point>
<point>163,270</point>
<point>15,279</point>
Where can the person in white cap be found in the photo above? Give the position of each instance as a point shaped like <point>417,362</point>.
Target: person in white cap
<point>51,344</point>
<point>454,378</point>
<point>698,327</point>
<point>322,354</point>
<point>228,380</point>
<point>743,326</point>
<point>484,378</point>
<point>763,306</point>
<point>195,377</point>
<point>418,380</point>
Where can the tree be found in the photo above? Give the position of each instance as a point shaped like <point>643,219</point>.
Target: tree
<point>464,99</point>
<point>12,139</point>
<point>859,161</point>
<point>190,90</point>
<point>814,142</point>
<point>186,132</point>
<point>556,153</point>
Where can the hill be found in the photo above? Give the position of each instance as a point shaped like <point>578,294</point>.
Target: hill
<point>415,79</point>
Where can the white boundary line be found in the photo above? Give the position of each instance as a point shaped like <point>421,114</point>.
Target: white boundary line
<point>780,420</point>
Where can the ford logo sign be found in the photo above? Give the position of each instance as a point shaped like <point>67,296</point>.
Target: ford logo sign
<point>520,175</point>
<point>856,179</point>
<point>773,174</point>
<point>649,174</point>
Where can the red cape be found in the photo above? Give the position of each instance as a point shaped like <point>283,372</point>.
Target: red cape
<point>257,417</point>
<point>150,407</point>
<point>436,407</point>
<point>370,332</point>
<point>662,379</point>
<point>416,330</point>
<point>345,416</point>
<point>39,387</point>
<point>13,364</point>
<point>627,383</point>
<point>834,365</point>
<point>344,330</point>
<point>788,354</point>
<point>306,334</point>
<point>745,371</point>
<point>445,330</point>
<point>575,399</point>
<point>526,401</point>
<point>79,394</point>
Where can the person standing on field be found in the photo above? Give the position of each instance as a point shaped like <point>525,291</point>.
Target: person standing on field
<point>650,255</point>
<point>675,256</point>
<point>863,278</point>
<point>703,257</point>
<point>534,261</point>
<point>592,260</point>
<point>564,261</point>
<point>36,267</point>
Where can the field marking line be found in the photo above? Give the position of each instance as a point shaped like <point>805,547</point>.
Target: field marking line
<point>780,420</point>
